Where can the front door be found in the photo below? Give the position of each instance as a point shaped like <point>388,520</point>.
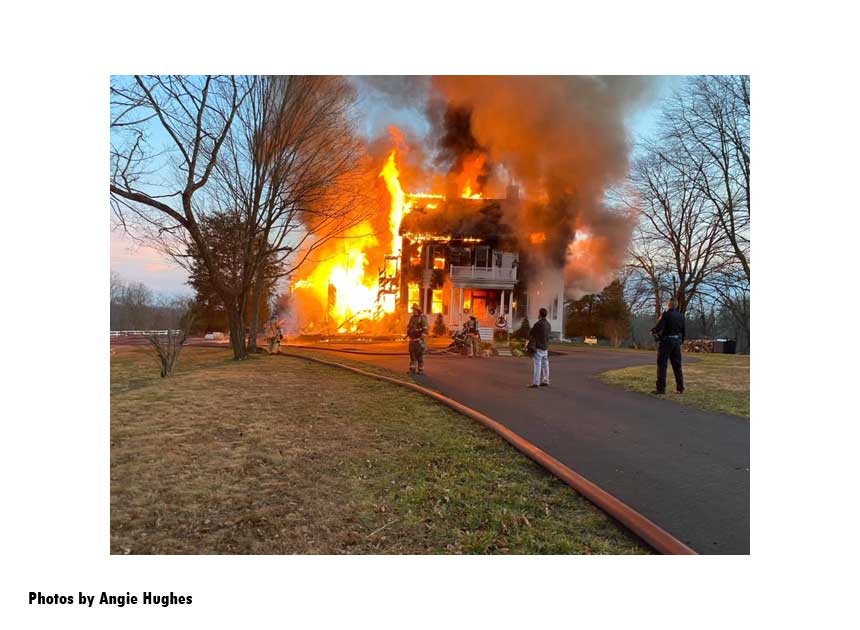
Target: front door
<point>483,302</point>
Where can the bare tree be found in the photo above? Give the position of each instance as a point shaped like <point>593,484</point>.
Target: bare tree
<point>168,343</point>
<point>276,155</point>
<point>293,169</point>
<point>708,121</point>
<point>135,301</point>
<point>647,273</point>
<point>116,287</point>
<point>677,228</point>
<point>732,290</point>
<point>159,192</point>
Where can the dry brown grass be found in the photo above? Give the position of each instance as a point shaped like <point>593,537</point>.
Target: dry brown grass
<point>277,455</point>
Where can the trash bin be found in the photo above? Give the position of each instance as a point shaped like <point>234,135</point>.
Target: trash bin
<point>730,346</point>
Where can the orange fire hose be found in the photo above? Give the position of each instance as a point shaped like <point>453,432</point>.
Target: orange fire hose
<point>655,536</point>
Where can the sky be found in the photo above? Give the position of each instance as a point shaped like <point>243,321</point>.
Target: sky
<point>138,263</point>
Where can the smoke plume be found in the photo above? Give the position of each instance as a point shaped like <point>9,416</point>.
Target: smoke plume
<point>459,150</point>
<point>563,141</point>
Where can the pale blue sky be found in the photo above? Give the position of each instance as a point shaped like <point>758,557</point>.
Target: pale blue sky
<point>143,264</point>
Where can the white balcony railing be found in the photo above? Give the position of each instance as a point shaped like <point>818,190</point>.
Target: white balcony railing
<point>141,333</point>
<point>492,274</point>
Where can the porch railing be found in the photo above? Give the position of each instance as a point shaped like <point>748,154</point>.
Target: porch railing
<point>141,333</point>
<point>505,274</point>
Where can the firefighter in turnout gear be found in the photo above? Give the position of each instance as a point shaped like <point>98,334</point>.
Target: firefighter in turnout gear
<point>669,334</point>
<point>473,339</point>
<point>274,335</point>
<point>417,331</point>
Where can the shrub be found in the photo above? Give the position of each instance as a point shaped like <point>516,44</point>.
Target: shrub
<point>523,331</point>
<point>439,329</point>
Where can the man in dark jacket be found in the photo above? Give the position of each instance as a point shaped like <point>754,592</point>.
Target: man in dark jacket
<point>670,333</point>
<point>417,329</point>
<point>539,335</point>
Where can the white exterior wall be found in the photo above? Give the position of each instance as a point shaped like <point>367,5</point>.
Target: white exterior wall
<point>545,286</point>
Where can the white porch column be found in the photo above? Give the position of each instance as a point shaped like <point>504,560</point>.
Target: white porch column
<point>451,308</point>
<point>460,308</point>
<point>511,311</point>
<point>502,305</point>
<point>427,304</point>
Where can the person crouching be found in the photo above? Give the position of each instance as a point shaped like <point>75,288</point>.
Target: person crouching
<point>417,330</point>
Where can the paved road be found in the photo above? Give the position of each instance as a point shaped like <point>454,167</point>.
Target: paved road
<point>686,470</point>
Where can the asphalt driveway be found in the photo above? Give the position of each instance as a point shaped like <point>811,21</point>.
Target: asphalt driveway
<point>686,470</point>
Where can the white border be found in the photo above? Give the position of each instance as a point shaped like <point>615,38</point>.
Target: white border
<point>55,253</point>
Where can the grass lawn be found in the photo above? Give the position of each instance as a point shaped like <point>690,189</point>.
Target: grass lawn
<point>584,347</point>
<point>715,382</point>
<point>278,455</point>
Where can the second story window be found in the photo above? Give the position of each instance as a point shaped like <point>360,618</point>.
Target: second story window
<point>482,256</point>
<point>438,260</point>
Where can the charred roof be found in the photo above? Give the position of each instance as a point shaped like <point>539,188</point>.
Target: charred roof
<point>458,218</point>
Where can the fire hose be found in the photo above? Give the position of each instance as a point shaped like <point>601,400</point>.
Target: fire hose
<point>651,533</point>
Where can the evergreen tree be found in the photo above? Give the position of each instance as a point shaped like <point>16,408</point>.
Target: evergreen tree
<point>222,231</point>
<point>523,331</point>
<point>613,314</point>
<point>603,315</point>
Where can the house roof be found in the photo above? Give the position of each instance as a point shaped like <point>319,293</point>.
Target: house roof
<point>481,218</point>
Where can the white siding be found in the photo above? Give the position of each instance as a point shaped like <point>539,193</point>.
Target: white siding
<point>546,289</point>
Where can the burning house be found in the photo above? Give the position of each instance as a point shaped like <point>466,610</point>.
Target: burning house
<point>460,258</point>
<point>454,255</point>
<point>472,243</point>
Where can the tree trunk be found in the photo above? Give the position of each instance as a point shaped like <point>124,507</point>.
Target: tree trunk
<point>236,324</point>
<point>255,312</point>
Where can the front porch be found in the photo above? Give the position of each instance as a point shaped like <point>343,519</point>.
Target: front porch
<point>488,305</point>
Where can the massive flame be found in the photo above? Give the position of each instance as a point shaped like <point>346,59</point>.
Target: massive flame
<point>467,180</point>
<point>341,283</point>
<point>398,198</point>
<point>345,283</point>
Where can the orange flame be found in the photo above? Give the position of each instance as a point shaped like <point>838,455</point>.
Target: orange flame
<point>343,285</point>
<point>341,282</point>
<point>391,175</point>
<point>467,180</point>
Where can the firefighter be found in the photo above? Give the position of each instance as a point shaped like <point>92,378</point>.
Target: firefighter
<point>417,331</point>
<point>274,335</point>
<point>473,336</point>
<point>669,333</point>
